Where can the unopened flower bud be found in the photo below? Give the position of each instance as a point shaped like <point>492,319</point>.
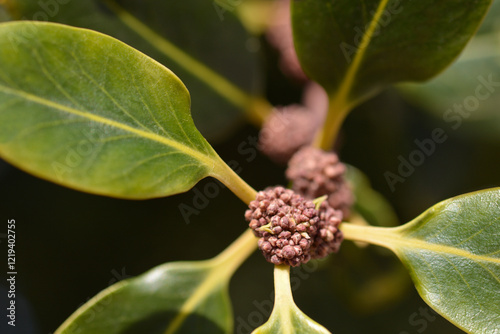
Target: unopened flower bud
<point>315,173</point>
<point>285,237</point>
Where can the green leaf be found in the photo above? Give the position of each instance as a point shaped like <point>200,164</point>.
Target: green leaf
<point>354,49</point>
<point>286,317</point>
<point>85,110</point>
<point>178,297</point>
<point>466,96</point>
<point>453,254</point>
<point>152,303</point>
<point>210,55</point>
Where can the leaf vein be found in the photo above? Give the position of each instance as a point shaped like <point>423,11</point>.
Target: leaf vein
<point>140,163</point>
<point>40,126</point>
<point>466,283</point>
<point>115,102</point>
<point>99,119</point>
<point>166,176</point>
<point>435,277</point>
<point>147,107</point>
<point>478,232</point>
<point>54,82</point>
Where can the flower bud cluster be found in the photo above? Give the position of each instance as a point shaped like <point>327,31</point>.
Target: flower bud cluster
<point>290,227</point>
<point>329,237</point>
<point>315,173</point>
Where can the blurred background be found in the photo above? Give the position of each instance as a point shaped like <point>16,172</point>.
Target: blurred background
<point>71,245</point>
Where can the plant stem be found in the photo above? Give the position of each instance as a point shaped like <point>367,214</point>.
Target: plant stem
<point>337,111</point>
<point>257,108</point>
<point>356,219</point>
<point>234,255</point>
<point>222,267</point>
<point>255,15</point>
<point>381,236</point>
<point>282,289</point>
<point>234,182</point>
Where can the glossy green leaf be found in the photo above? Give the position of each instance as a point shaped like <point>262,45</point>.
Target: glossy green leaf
<point>354,49</point>
<point>453,254</point>
<point>178,297</point>
<point>85,110</point>
<point>286,317</point>
<point>210,55</point>
<point>365,46</point>
<point>466,96</point>
<point>152,303</point>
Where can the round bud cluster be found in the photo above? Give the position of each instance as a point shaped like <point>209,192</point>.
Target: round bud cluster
<point>290,228</point>
<point>286,130</point>
<point>329,237</point>
<point>315,173</point>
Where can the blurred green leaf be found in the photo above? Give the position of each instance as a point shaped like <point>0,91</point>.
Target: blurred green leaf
<point>459,96</point>
<point>84,110</point>
<point>173,31</point>
<point>178,297</point>
<point>453,254</point>
<point>286,317</point>
<point>362,47</point>
<point>368,279</point>
<point>4,15</point>
<point>354,49</point>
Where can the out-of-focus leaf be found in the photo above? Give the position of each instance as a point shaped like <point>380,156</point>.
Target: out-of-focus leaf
<point>179,297</point>
<point>163,28</point>
<point>354,49</point>
<point>368,279</point>
<point>286,317</point>
<point>453,254</point>
<point>467,95</point>
<point>174,298</point>
<point>85,110</point>
<point>364,46</point>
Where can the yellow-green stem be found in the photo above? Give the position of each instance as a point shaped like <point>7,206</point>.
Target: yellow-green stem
<point>234,255</point>
<point>337,112</point>
<point>282,288</point>
<point>256,107</point>
<point>381,236</point>
<point>234,182</point>
<point>223,267</point>
<point>340,102</point>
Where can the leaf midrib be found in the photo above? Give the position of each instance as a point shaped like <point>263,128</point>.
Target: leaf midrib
<point>352,70</point>
<point>394,239</point>
<point>438,248</point>
<point>210,284</point>
<point>208,161</point>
